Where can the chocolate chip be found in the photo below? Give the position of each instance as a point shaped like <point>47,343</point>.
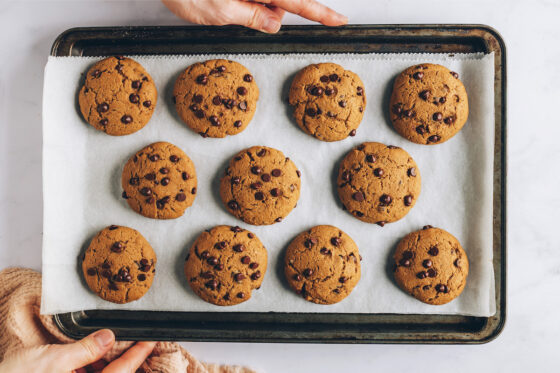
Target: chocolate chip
<point>298,173</point>
<point>219,267</point>
<point>221,69</point>
<point>427,263</point>
<point>259,196</point>
<point>418,75</point>
<point>237,124</point>
<point>342,103</point>
<point>346,176</point>
<point>136,84</point>
<point>357,213</point>
<point>141,277</point>
<point>442,100</point>
<point>342,280</point>
<point>358,196</point>
<point>441,288</point>
<point>150,201</point>
<point>370,158</point>
<point>199,114</point>
<point>202,79</point>
<point>104,122</point>
<point>385,199</point>
<point>180,197</point>
<point>265,177</point>
<point>134,181</point>
<point>422,275</point>
<point>151,176</point>
<point>317,91</point>
<point>457,263</point>
<point>242,105</point>
<point>421,129</point>
<point>407,254</point>
<point>212,284</point>
<point>298,277</point>
<point>359,91</point>
<point>197,98</point>
<point>239,248</point>
<point>392,147</point>
<point>253,265</point>
<point>455,75</point>
<point>102,108</point>
<point>256,275</point>
<point>154,157</point>
<point>117,247</point>
<point>411,171</point>
<point>261,153</point>
<point>193,190</point>
<point>235,180</point>
<point>311,112</point>
<point>310,242</point>
<point>242,91</point>
<point>212,260</point>
<point>256,185</point>
<point>106,273</point>
<point>246,260</point>
<point>278,219</point>
<point>449,120</point>
<point>146,191</point>
<point>276,192</point>
<point>336,241</point>
<point>352,133</point>
<point>324,79</point>
<point>236,229</point>
<point>91,271</point>
<point>408,113</point>
<point>432,272</point>
<point>147,103</point>
<point>165,181</point>
<point>214,120</point>
<point>324,251</point>
<point>276,172</point>
<point>207,275</point>
<point>427,227</point>
<point>437,117</point>
<point>333,77</point>
<point>239,277</point>
<point>96,73</point>
<point>434,138</point>
<point>241,295</point>
<point>307,272</point>
<point>405,262</point>
<point>397,109</point>
<point>248,78</point>
<point>425,95</point>
<point>119,67</point>
<point>250,235</point>
<point>378,172</point>
<point>233,205</point>
<point>185,176</point>
<point>204,255</point>
<point>408,200</point>
<point>433,251</point>
<point>113,227</point>
<point>217,100</point>
<point>256,170</point>
<point>329,91</point>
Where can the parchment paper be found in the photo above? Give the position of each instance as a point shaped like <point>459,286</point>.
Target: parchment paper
<point>82,193</point>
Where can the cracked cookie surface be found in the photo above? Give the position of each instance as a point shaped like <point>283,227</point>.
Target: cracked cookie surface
<point>322,264</point>
<point>429,104</point>
<point>119,264</point>
<point>378,183</point>
<point>260,185</point>
<point>329,101</point>
<point>118,96</point>
<point>159,181</point>
<point>216,98</point>
<point>431,265</point>
<point>225,264</point>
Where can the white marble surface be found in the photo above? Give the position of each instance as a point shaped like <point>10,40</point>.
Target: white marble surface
<point>530,28</point>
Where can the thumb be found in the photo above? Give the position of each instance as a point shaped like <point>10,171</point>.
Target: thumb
<point>255,16</point>
<point>86,351</point>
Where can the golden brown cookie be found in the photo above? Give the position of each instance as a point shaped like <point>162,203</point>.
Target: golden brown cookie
<point>378,183</point>
<point>119,264</point>
<point>260,186</point>
<point>225,264</point>
<point>118,96</point>
<point>159,181</point>
<point>431,265</point>
<point>329,102</point>
<point>322,264</point>
<point>429,104</point>
<point>216,98</point>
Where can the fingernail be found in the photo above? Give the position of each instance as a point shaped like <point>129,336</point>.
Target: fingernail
<point>271,25</point>
<point>104,338</point>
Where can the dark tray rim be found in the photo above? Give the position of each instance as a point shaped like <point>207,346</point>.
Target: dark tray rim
<point>75,324</point>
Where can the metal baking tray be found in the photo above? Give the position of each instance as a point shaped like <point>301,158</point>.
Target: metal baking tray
<point>305,327</point>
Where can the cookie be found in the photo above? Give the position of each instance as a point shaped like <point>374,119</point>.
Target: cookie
<point>378,183</point>
<point>118,96</point>
<point>429,104</point>
<point>225,264</point>
<point>216,98</point>
<point>260,186</point>
<point>322,264</point>
<point>159,181</point>
<point>328,101</point>
<point>431,265</point>
<point>119,265</point>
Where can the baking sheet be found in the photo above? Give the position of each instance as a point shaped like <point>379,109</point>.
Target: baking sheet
<point>82,167</point>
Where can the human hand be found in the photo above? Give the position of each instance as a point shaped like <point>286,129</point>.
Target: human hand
<point>75,357</point>
<point>262,15</point>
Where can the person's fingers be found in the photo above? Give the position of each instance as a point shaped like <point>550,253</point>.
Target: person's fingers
<point>131,359</point>
<point>86,351</point>
<point>279,11</point>
<point>312,10</point>
<point>254,15</point>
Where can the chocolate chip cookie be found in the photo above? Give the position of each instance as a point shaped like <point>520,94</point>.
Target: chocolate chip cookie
<point>328,101</point>
<point>429,104</point>
<point>216,98</point>
<point>118,96</point>
<point>378,183</point>
<point>260,186</point>
<point>119,265</point>
<point>225,264</point>
<point>322,264</point>
<point>159,181</point>
<point>431,265</point>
